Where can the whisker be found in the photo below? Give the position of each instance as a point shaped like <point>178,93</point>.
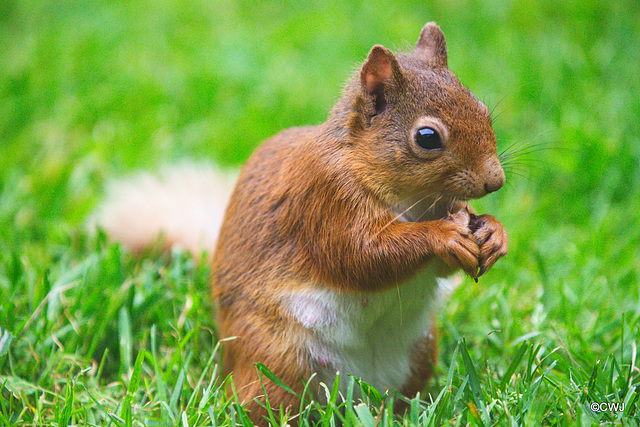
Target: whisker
<point>518,159</point>
<point>398,216</point>
<point>519,175</point>
<point>534,137</point>
<point>518,148</point>
<point>518,172</point>
<point>430,208</point>
<point>453,201</point>
<point>419,193</point>
<point>524,155</point>
<point>494,118</point>
<point>526,142</point>
<point>530,147</point>
<point>496,106</point>
<point>518,167</point>
<point>506,150</point>
<point>525,163</point>
<point>522,166</point>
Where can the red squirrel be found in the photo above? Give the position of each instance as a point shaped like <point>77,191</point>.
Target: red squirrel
<point>339,240</point>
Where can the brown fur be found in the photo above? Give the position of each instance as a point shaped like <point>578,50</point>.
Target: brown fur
<point>314,205</point>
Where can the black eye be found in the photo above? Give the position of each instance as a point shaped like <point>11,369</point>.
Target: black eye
<point>428,138</point>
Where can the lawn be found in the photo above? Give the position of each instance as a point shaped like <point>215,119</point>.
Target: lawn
<point>91,91</point>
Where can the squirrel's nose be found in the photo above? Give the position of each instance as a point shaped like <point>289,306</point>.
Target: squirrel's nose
<point>493,186</point>
<point>494,178</point>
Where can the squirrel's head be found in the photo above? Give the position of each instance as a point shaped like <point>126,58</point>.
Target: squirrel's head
<point>420,127</point>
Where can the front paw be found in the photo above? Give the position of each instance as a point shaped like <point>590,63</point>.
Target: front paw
<point>492,239</point>
<point>457,246</point>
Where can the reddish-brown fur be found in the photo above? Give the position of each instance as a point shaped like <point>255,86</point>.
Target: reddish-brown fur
<point>314,205</point>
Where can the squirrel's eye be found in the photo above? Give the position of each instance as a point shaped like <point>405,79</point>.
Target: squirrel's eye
<point>428,138</point>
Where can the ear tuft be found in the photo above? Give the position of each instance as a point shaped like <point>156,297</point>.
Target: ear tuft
<point>380,69</point>
<point>431,45</point>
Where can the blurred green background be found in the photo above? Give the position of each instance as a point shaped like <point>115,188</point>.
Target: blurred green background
<point>91,91</point>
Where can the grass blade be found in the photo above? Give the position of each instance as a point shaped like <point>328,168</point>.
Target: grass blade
<point>514,365</point>
<point>474,382</point>
<point>126,413</point>
<point>364,415</point>
<point>5,341</point>
<point>65,415</point>
<point>124,333</point>
<point>263,370</point>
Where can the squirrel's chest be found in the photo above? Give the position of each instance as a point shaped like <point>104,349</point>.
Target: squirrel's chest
<point>368,335</point>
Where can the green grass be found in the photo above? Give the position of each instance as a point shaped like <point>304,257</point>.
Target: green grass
<point>91,91</point>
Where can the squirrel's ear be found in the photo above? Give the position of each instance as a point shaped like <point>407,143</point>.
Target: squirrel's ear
<point>431,45</point>
<point>380,69</point>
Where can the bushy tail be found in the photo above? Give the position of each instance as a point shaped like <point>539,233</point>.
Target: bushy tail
<point>183,205</point>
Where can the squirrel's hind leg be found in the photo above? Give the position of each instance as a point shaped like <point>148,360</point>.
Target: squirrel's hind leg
<point>423,363</point>
<point>240,356</point>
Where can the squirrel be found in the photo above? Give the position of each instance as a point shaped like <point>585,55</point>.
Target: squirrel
<point>340,240</point>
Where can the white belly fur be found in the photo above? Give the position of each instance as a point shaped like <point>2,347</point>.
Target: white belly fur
<point>368,335</point>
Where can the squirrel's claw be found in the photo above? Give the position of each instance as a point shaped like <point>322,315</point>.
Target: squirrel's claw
<point>492,240</point>
<point>483,269</point>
